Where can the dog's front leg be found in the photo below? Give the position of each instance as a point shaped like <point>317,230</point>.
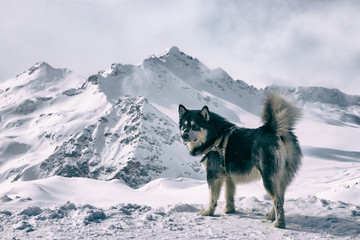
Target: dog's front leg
<point>229,195</point>
<point>215,189</point>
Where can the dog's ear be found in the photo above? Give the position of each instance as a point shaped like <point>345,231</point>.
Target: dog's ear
<point>205,113</point>
<point>182,110</point>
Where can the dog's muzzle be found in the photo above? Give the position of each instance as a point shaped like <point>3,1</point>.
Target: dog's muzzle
<point>186,137</point>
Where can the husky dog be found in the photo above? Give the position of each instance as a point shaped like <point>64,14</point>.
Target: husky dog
<point>239,155</point>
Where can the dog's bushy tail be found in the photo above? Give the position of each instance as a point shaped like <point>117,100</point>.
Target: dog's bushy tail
<point>280,114</point>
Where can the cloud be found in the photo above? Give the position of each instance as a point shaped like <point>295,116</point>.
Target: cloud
<point>260,42</point>
<point>310,44</point>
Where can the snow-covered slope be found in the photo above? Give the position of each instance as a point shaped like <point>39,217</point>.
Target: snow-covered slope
<point>174,78</point>
<point>40,109</point>
<point>132,141</point>
<point>110,145</point>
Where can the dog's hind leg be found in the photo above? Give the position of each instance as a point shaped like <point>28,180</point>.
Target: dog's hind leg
<point>270,215</point>
<point>277,213</point>
<point>230,188</point>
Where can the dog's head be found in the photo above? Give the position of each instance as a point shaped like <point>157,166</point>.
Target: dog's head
<point>194,125</point>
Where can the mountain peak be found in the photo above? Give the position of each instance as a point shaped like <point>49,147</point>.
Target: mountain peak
<point>174,50</point>
<point>39,65</point>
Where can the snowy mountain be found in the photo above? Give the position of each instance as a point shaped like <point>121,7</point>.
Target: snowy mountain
<point>57,123</point>
<point>110,145</point>
<point>329,105</point>
<point>131,142</point>
<point>80,134</point>
<point>174,78</point>
<point>40,109</point>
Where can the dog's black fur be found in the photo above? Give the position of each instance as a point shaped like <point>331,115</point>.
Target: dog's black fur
<point>270,152</point>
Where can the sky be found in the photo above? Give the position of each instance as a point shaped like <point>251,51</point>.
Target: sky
<point>293,43</point>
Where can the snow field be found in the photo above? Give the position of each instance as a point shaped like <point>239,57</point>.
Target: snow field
<point>307,218</point>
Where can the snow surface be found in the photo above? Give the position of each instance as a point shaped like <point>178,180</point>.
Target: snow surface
<point>101,158</point>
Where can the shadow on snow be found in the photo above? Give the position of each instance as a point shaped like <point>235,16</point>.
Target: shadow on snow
<point>332,154</point>
<point>331,225</point>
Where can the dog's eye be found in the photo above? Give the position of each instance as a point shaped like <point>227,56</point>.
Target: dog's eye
<point>195,126</point>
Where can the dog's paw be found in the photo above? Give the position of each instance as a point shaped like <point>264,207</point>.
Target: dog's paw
<point>204,212</point>
<point>279,224</point>
<point>270,216</point>
<point>228,210</point>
